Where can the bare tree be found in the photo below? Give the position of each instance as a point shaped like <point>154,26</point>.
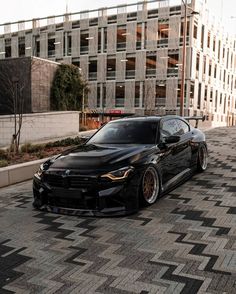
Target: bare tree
<point>15,78</point>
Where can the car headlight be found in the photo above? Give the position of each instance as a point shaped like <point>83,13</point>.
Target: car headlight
<point>44,166</point>
<point>119,174</point>
<point>40,171</point>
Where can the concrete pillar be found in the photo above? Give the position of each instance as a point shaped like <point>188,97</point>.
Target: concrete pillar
<point>131,37</point>
<point>110,95</point>
<point>129,95</point>
<point>93,41</point>
<point>14,47</point>
<point>102,65</point>
<point>171,94</point>
<point>59,44</point>
<point>111,39</point>
<point>75,43</point>
<point>140,65</point>
<point>152,31</point>
<point>43,45</point>
<point>120,66</point>
<point>2,48</point>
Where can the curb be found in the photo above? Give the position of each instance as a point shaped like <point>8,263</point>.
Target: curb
<point>19,173</point>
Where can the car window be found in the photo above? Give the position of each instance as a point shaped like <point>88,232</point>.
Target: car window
<point>183,127</point>
<point>169,128</point>
<point>126,132</point>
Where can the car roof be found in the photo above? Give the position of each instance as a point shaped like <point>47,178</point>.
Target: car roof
<point>146,118</point>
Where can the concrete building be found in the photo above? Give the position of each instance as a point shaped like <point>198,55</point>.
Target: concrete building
<point>27,80</point>
<point>132,56</point>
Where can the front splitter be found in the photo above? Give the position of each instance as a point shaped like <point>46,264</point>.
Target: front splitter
<point>106,212</point>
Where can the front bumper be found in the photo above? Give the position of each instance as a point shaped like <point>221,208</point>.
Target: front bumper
<point>110,199</point>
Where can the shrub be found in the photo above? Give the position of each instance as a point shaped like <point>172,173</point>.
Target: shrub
<point>65,142</point>
<point>3,163</point>
<point>3,154</point>
<point>29,148</point>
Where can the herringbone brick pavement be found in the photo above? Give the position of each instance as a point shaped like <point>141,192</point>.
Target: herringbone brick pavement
<point>185,243</point>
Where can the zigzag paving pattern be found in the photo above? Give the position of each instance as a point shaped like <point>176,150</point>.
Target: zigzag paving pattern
<point>185,243</point>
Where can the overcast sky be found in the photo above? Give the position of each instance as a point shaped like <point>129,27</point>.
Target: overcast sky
<point>14,10</point>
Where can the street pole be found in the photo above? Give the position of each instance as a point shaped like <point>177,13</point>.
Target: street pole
<point>83,107</point>
<point>182,88</point>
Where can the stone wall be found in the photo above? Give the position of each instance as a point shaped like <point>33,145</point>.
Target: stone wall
<point>42,75</point>
<point>31,78</point>
<point>15,80</point>
<point>40,126</point>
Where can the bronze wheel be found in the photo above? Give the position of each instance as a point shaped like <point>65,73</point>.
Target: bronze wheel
<point>150,185</point>
<point>202,158</point>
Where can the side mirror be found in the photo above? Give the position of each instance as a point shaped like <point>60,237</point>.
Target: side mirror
<point>172,139</point>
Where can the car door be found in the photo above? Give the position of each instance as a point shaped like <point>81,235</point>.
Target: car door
<point>176,156</point>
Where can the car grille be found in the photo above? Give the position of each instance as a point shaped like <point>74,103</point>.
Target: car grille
<point>70,181</point>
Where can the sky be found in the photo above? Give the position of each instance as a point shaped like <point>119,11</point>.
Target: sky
<point>14,10</point>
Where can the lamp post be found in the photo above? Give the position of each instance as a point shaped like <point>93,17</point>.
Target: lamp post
<point>182,87</point>
<point>83,100</point>
<point>183,61</point>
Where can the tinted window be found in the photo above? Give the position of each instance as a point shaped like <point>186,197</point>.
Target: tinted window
<point>169,128</point>
<point>126,132</point>
<point>183,127</point>
<point>174,127</point>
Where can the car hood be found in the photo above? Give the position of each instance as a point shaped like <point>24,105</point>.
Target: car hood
<point>100,156</point>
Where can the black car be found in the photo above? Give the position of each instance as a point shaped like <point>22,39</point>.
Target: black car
<point>126,163</point>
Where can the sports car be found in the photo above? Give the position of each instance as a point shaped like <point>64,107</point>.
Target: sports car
<point>126,164</point>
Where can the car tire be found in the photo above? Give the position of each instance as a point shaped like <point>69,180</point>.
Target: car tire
<point>202,158</point>
<point>150,185</point>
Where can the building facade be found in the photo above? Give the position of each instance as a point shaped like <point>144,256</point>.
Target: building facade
<point>132,57</point>
<point>26,84</point>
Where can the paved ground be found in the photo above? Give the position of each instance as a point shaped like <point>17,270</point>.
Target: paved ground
<point>185,243</point>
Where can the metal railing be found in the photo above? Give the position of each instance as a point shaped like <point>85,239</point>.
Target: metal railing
<point>150,72</point>
<point>92,76</point>
<point>111,75</point>
<point>130,74</point>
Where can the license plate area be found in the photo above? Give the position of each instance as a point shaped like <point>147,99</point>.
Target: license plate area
<point>75,199</point>
<point>62,193</point>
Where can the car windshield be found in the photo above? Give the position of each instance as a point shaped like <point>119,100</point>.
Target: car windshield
<point>126,132</point>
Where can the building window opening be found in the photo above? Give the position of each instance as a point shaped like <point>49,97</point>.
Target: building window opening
<point>163,30</point>
<point>21,46</point>
<point>173,64</point>
<point>195,32</point>
<point>99,40</point>
<point>69,45</point>
<point>163,34</point>
<point>151,61</point>
<point>208,40</point>
<point>51,47</point>
<point>98,96</point>
<point>130,68</point>
<point>92,70</point>
<point>37,48</point>
<point>191,95</point>
<point>7,48</point>
<point>197,62</point>
<point>84,43</point>
<point>121,38</point>
<point>103,97</point>
<point>111,68</point>
<point>137,95</point>
<point>105,40</point>
<point>139,36</point>
<point>160,100</point>
<point>120,95</point>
